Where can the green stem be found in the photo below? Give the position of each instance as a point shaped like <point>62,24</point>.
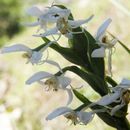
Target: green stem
<point>122,123</point>
<point>111,81</point>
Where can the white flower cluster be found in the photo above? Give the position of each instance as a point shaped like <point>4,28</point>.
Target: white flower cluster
<point>63,25</point>
<point>119,94</point>
<point>57,16</point>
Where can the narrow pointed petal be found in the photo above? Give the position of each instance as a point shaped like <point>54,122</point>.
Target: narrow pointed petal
<point>102,28</point>
<point>45,47</point>
<point>64,81</point>
<point>36,57</point>
<point>38,76</point>
<point>77,23</point>
<point>97,53</point>
<point>34,11</point>
<point>85,117</point>
<point>58,112</point>
<point>108,99</point>
<point>116,108</point>
<point>55,64</point>
<point>16,48</point>
<point>70,96</point>
<point>52,31</point>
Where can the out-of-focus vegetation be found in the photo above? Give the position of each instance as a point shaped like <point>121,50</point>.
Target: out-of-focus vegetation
<point>10,15</point>
<point>25,108</point>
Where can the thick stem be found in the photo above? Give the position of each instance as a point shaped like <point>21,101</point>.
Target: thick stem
<point>122,123</point>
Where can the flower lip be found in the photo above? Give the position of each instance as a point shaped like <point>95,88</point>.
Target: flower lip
<point>85,117</point>
<point>100,52</point>
<point>35,57</point>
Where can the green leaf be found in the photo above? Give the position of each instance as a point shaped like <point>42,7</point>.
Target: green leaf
<point>111,81</point>
<point>67,53</point>
<point>79,44</point>
<point>81,97</point>
<point>97,64</point>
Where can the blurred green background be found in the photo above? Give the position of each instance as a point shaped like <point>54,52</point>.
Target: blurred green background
<point>25,107</point>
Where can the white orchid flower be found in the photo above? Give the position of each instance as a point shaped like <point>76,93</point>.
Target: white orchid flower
<point>104,43</point>
<point>75,116</point>
<point>52,82</point>
<point>35,57</point>
<point>54,13</point>
<point>64,27</point>
<point>46,15</point>
<point>120,94</point>
<point>37,11</point>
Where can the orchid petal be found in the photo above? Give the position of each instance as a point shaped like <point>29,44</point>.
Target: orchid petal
<point>38,76</point>
<point>85,117</point>
<point>64,81</point>
<point>70,96</point>
<point>103,28</point>
<point>55,64</point>
<point>36,57</point>
<point>48,32</point>
<point>58,112</point>
<point>55,9</point>
<point>34,11</point>
<point>49,18</point>
<point>108,99</point>
<point>77,23</point>
<point>125,82</point>
<point>50,15</point>
<point>61,12</point>
<point>45,47</point>
<point>97,53</point>
<point>16,48</point>
<point>116,108</point>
